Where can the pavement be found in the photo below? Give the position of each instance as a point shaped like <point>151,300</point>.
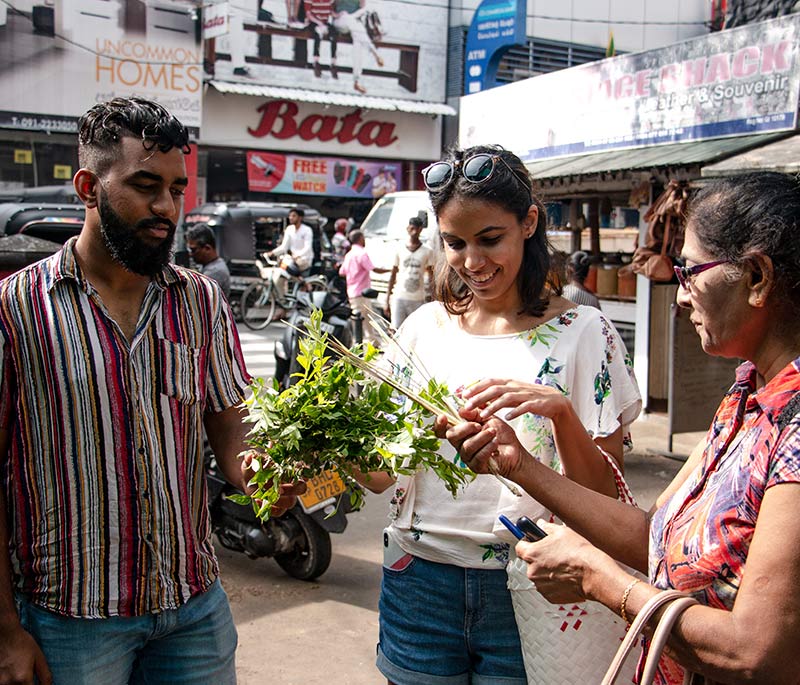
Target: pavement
<point>652,465</point>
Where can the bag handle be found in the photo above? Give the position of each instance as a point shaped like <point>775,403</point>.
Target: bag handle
<point>660,637</point>
<point>680,602</point>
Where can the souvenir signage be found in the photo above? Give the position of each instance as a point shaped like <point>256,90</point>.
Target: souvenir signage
<point>740,81</point>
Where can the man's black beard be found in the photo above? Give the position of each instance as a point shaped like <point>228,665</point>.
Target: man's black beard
<point>125,246</point>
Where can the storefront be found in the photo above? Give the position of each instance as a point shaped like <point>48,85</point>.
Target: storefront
<point>331,108</point>
<point>257,143</point>
<point>612,134</point>
<point>36,159</point>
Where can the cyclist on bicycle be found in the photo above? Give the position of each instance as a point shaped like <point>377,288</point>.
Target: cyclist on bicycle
<point>296,250</point>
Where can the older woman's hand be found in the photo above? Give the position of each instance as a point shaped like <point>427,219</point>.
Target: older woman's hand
<point>490,395</point>
<point>561,565</point>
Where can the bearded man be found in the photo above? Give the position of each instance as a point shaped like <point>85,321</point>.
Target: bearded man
<point>112,364</point>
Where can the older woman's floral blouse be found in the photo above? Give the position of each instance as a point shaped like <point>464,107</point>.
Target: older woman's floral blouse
<point>700,538</point>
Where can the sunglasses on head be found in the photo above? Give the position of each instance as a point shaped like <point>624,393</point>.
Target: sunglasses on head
<point>477,168</point>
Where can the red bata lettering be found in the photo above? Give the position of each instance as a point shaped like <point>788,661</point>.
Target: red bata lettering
<point>211,23</point>
<point>279,119</point>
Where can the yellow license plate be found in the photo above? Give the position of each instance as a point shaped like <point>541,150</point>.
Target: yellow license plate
<point>321,488</point>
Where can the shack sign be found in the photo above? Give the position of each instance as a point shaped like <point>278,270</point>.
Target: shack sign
<point>734,82</point>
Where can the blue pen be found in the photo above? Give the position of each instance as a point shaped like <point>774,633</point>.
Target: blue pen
<point>516,532</point>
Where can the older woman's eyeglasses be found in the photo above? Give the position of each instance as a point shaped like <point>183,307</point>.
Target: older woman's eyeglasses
<point>477,168</point>
<point>685,273</point>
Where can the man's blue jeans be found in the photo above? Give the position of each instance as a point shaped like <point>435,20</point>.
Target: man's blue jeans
<point>192,645</point>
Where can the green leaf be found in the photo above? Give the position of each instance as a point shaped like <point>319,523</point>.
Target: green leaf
<point>239,499</point>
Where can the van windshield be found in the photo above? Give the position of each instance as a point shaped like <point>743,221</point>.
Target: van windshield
<point>377,223</point>
<point>388,219</point>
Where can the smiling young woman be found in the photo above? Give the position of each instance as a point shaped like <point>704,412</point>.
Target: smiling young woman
<point>501,329</point>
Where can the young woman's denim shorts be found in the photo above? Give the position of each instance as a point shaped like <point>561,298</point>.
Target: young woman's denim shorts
<point>447,625</point>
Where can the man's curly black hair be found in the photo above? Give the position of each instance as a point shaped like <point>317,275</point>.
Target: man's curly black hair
<point>101,129</point>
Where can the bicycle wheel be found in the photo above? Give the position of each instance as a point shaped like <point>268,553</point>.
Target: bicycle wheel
<point>317,284</point>
<point>258,305</point>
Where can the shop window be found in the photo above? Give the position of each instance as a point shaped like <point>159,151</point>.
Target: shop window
<point>539,56</point>
<point>24,164</point>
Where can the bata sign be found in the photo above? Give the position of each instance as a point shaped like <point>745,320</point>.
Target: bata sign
<point>279,120</point>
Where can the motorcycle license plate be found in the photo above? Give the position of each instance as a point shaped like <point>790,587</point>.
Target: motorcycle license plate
<point>320,489</point>
<point>324,326</point>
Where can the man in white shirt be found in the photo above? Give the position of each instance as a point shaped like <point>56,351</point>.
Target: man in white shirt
<point>296,249</point>
<point>412,263</point>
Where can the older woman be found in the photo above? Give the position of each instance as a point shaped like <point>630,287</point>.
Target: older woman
<point>726,529</point>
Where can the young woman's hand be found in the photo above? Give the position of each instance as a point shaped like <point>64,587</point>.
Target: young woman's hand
<point>490,395</point>
<point>478,442</point>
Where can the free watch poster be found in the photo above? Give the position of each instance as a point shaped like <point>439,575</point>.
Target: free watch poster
<point>269,172</point>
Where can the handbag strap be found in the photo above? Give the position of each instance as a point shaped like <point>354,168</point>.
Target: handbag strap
<point>636,629</point>
<point>624,493</point>
<point>660,637</point>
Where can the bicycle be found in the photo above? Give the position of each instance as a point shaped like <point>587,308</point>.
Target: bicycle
<point>261,299</point>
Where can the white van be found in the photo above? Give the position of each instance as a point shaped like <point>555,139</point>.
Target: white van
<point>385,230</point>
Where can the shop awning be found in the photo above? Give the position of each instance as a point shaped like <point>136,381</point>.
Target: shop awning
<point>341,99</point>
<point>680,154</point>
<point>783,155</point>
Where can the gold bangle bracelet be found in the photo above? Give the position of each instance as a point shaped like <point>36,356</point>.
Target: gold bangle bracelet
<point>623,605</point>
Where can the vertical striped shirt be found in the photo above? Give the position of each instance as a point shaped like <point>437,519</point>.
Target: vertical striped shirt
<point>104,475</point>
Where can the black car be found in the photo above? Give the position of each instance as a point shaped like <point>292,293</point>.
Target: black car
<point>49,221</point>
<point>61,194</point>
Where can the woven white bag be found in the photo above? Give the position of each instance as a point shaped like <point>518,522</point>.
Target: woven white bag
<point>564,644</point>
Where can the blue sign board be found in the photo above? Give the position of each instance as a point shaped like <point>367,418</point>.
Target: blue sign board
<point>496,26</point>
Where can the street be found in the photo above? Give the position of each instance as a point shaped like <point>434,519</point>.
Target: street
<point>324,632</point>
<point>294,632</point>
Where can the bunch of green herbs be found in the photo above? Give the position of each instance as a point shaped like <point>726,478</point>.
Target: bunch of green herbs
<point>336,416</point>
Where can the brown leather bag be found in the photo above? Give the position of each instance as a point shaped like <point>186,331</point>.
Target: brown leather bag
<point>664,239</point>
<point>659,267</point>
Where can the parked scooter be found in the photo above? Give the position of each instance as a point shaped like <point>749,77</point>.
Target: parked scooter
<point>299,540</point>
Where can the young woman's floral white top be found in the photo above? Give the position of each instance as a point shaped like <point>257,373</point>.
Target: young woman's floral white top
<point>579,353</point>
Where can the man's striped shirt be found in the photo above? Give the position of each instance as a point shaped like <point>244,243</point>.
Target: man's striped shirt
<point>104,477</point>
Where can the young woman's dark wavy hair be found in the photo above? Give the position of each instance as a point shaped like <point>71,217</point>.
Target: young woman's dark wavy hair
<point>513,192</point>
<point>102,128</point>
<point>759,212</point>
